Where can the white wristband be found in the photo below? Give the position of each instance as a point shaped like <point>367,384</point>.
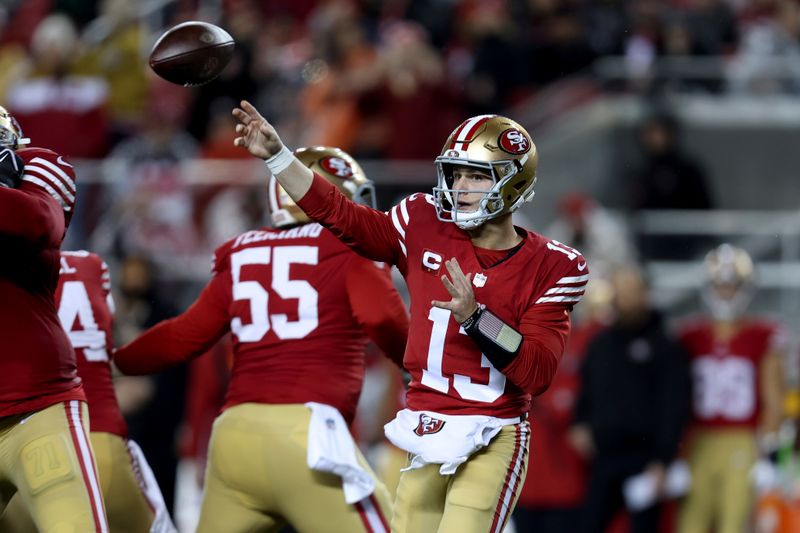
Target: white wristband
<point>280,161</point>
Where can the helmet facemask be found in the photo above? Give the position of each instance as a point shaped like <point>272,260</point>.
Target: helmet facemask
<point>492,205</point>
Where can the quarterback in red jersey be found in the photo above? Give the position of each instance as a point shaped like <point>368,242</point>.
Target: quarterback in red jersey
<point>736,364</point>
<point>475,359</point>
<point>46,455</point>
<point>298,303</point>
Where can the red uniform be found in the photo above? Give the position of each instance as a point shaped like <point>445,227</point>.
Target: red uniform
<point>35,354</point>
<point>532,290</point>
<point>86,309</point>
<point>726,385</point>
<point>298,303</point>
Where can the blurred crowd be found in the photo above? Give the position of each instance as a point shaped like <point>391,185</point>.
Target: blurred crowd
<point>359,74</point>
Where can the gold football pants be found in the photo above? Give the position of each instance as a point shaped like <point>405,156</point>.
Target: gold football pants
<point>47,465</point>
<point>721,495</point>
<point>478,498</point>
<point>127,507</point>
<point>257,478</point>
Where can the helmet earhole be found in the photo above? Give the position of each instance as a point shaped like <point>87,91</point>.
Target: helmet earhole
<point>521,185</point>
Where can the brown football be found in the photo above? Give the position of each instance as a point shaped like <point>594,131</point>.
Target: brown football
<point>191,53</point>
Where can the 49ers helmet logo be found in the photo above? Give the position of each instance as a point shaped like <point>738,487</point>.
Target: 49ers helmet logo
<point>428,424</point>
<point>337,166</point>
<point>514,141</point>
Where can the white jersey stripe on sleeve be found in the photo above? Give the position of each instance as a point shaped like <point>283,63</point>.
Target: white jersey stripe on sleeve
<point>550,299</point>
<point>396,222</point>
<point>404,211</point>
<point>52,179</point>
<point>54,168</point>
<point>52,192</point>
<point>566,290</point>
<point>573,279</point>
<point>402,247</point>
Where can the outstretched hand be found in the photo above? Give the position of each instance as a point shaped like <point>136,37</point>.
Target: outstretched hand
<point>459,286</point>
<point>256,135</point>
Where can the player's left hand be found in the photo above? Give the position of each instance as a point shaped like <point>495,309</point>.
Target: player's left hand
<point>459,286</point>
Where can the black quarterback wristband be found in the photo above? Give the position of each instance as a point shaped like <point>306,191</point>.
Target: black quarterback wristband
<point>498,341</point>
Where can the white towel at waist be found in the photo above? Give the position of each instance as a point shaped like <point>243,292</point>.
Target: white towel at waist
<point>331,449</point>
<point>448,440</point>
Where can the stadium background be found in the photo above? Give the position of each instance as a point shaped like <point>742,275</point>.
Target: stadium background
<point>160,185</point>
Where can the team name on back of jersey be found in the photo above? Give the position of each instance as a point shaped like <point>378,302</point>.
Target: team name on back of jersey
<point>305,231</point>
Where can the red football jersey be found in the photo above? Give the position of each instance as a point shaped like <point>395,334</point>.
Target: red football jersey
<point>86,311</point>
<point>532,290</point>
<point>725,372</point>
<point>36,357</point>
<point>298,303</point>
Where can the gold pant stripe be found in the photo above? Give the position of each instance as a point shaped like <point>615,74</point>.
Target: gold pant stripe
<point>513,481</point>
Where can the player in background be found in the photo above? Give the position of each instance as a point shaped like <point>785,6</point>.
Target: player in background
<point>475,355</point>
<point>300,306</point>
<point>86,311</point>
<point>738,396</point>
<point>45,454</point>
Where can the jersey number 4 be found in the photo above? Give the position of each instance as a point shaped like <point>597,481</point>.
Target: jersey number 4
<point>76,309</point>
<point>280,258</point>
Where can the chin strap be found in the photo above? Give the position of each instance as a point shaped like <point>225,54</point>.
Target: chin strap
<point>498,341</point>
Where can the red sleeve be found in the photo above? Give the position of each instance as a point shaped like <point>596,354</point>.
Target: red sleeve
<point>178,339</point>
<point>545,330</point>
<point>378,307</point>
<point>365,230</point>
<point>30,216</point>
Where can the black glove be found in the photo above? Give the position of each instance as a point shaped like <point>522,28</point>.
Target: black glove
<point>11,168</point>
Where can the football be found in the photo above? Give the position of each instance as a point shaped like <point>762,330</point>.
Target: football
<point>191,53</point>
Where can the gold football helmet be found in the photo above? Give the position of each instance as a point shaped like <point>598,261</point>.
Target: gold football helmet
<point>10,132</point>
<point>333,164</point>
<point>493,144</point>
<point>730,281</point>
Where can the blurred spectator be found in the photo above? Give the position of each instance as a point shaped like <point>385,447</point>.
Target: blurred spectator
<point>668,178</point>
<point>415,89</point>
<point>496,60</point>
<point>236,82</point>
<point>114,49</point>
<point>633,404</point>
<point>155,205</point>
<point>555,485</point>
<point>713,27</point>
<point>13,56</point>
<point>153,425</point>
<point>738,397</point>
<point>600,236</point>
<point>768,59</point>
<point>559,43</point>
<point>333,101</point>
<point>55,106</point>
<point>220,132</point>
